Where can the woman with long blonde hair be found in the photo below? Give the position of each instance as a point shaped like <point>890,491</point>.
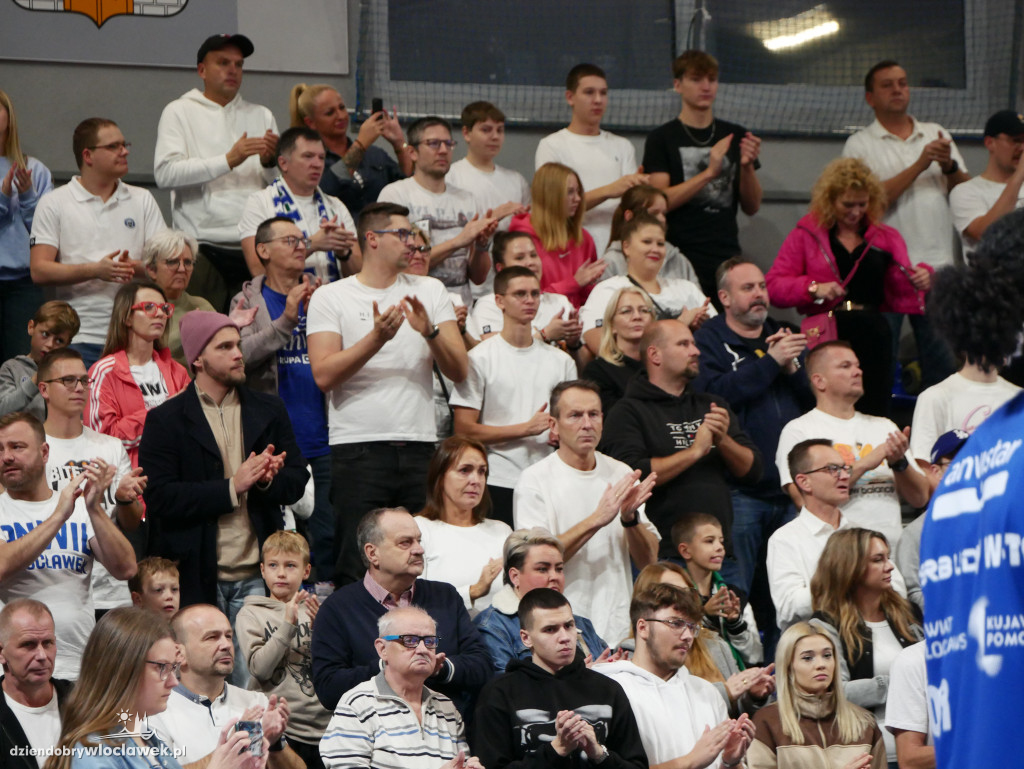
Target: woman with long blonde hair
<point>23,181</point>
<point>367,169</point>
<point>555,222</point>
<point>841,259</point>
<point>628,314</point>
<point>129,668</point>
<point>812,723</point>
<point>854,600</point>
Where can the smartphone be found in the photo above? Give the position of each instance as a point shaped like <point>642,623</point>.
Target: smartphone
<point>255,730</point>
<point>376,105</point>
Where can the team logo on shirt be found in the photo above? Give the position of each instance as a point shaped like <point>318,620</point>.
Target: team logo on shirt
<point>129,223</point>
<point>100,12</point>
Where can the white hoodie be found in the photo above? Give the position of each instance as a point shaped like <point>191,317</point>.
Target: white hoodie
<point>192,142</point>
<point>671,714</point>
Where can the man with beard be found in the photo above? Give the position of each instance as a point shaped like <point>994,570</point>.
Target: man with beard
<point>221,461</point>
<point>753,362</point>
<point>48,540</point>
<point>682,718</point>
<point>447,214</point>
<point>203,703</point>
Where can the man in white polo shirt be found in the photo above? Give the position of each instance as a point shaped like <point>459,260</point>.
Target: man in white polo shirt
<point>87,236</point>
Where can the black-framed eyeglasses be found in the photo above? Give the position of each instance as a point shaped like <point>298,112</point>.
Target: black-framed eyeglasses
<point>70,381</point>
<point>435,144</point>
<point>832,469</point>
<point>421,249</point>
<point>113,146</point>
<point>292,241</point>
<point>410,641</point>
<point>166,668</point>
<point>678,625</point>
<point>401,233</point>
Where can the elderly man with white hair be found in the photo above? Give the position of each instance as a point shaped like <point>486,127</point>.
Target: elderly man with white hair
<point>393,720</point>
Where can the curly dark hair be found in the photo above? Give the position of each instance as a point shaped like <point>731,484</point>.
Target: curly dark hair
<point>979,307</point>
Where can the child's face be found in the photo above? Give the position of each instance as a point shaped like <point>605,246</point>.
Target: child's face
<point>706,549</point>
<point>160,594</point>
<point>44,339</point>
<point>283,573</point>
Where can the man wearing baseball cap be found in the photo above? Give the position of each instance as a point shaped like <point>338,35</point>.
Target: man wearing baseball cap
<point>214,149</point>
<point>995,192</point>
<point>224,461</point>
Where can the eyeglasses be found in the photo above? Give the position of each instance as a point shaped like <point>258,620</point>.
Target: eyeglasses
<point>292,241</point>
<point>832,469</point>
<point>150,308</point>
<point>627,311</point>
<point>70,381</point>
<point>435,144</point>
<point>678,625</point>
<point>421,249</point>
<point>402,234</point>
<point>410,641</point>
<point>176,263</point>
<point>113,146</point>
<point>166,668</point>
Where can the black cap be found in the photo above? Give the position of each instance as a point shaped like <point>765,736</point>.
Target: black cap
<point>1005,122</point>
<point>216,42</point>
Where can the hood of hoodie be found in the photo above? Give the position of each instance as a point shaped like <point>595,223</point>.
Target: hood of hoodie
<point>195,95</point>
<point>640,387</point>
<point>572,670</point>
<point>265,602</point>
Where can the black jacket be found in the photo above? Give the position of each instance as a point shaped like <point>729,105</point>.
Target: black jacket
<point>650,422</point>
<point>12,736</point>
<point>187,491</point>
<point>515,719</point>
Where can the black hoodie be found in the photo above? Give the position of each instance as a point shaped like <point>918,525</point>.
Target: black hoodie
<point>650,422</point>
<point>515,718</point>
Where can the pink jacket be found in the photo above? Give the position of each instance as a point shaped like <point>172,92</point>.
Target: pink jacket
<point>115,405</point>
<point>806,256</point>
<point>560,269</point>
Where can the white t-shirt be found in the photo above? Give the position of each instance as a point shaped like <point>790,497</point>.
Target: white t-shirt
<point>597,160</point>
<point>487,318</point>
<point>83,228</point>
<point>874,503</point>
<point>260,206</point>
<point>955,403</point>
<point>676,295</point>
<point>391,397</point>
<point>921,213</point>
<point>906,704</point>
<point>490,188</point>
<point>59,577</point>
<point>972,199</point>
<point>442,216</point>
<point>507,385</point>
<point>41,725</point>
<point>598,578</point>
<point>68,457</point>
<point>885,649</point>
<point>151,383</point>
<point>457,555</point>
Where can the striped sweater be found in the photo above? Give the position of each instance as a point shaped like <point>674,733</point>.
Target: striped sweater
<point>374,727</point>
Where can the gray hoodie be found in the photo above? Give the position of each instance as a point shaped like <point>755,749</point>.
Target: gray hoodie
<point>17,390</point>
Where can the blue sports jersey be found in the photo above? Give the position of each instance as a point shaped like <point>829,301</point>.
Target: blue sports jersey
<point>972,574</point>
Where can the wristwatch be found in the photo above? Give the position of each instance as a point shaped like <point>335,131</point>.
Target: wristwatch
<point>952,169</point>
<point>433,332</point>
<point>601,758</point>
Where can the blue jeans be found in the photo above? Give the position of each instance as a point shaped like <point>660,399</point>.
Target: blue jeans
<point>936,359</point>
<point>365,476</point>
<point>321,523</point>
<point>19,300</point>
<point>230,597</point>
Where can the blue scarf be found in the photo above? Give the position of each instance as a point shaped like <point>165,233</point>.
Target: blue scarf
<point>284,205</point>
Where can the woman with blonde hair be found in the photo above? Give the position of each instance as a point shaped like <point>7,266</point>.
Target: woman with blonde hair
<point>643,198</point>
<point>567,252</point>
<point>854,601</point>
<point>628,314</point>
<point>135,372</point>
<point>710,657</point>
<point>23,180</point>
<point>844,268</point>
<point>355,170</point>
<point>812,723</point>
<point>129,668</point>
